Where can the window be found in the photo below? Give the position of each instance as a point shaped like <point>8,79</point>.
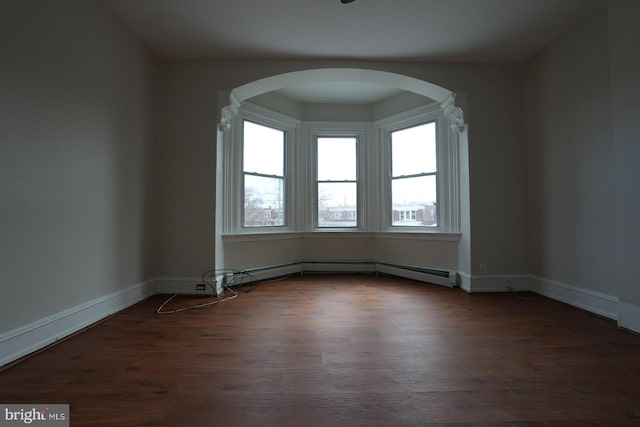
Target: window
<point>398,174</point>
<point>263,174</point>
<point>337,185</point>
<point>414,176</point>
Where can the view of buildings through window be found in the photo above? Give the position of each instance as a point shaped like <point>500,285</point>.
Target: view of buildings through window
<point>337,182</point>
<point>263,175</point>
<point>414,168</point>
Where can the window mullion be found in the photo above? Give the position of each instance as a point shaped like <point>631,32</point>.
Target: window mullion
<point>416,175</point>
<point>329,181</point>
<point>264,175</point>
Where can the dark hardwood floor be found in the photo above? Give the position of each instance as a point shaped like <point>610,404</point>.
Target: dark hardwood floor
<point>342,351</point>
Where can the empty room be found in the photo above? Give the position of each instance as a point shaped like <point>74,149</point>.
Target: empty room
<point>319,212</point>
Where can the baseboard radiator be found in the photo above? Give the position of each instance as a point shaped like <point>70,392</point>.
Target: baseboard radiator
<point>427,275</point>
<point>430,275</point>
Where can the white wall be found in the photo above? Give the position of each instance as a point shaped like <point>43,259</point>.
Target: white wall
<point>583,154</point>
<point>624,34</point>
<point>76,158</point>
<point>188,118</point>
<point>497,173</point>
<point>570,161</point>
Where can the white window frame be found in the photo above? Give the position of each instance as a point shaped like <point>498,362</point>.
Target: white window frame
<point>335,130</point>
<point>233,171</point>
<point>447,168</point>
<point>266,211</point>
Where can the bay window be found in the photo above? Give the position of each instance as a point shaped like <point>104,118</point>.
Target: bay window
<point>398,174</point>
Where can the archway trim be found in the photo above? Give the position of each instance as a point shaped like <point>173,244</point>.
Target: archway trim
<point>296,78</point>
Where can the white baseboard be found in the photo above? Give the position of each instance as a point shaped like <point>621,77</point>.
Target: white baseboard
<point>179,285</point>
<point>494,282</point>
<point>595,302</point>
<point>629,317</point>
<point>22,341</point>
<point>465,281</point>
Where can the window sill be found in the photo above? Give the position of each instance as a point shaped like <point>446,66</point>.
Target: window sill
<point>256,236</point>
<point>421,235</point>
<point>333,234</point>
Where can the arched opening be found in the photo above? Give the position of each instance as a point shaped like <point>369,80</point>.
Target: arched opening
<point>375,246</point>
<point>340,75</point>
<point>345,76</point>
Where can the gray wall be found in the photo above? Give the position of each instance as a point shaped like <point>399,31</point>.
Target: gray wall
<point>570,159</point>
<point>583,153</point>
<point>76,157</point>
<point>624,34</point>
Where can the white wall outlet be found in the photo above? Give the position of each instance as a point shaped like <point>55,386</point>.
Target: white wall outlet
<point>483,268</point>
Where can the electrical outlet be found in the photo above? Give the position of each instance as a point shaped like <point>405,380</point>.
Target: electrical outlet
<point>200,287</point>
<point>483,268</point>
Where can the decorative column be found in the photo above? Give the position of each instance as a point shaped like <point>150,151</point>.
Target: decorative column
<point>459,176</point>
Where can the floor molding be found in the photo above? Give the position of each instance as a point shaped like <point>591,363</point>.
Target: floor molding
<point>494,282</point>
<point>595,302</point>
<point>629,317</point>
<point>178,285</point>
<point>27,339</point>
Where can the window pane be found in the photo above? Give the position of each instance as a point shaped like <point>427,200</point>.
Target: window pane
<point>414,201</point>
<point>336,159</point>
<point>263,151</point>
<point>263,201</point>
<point>337,204</point>
<point>413,150</point>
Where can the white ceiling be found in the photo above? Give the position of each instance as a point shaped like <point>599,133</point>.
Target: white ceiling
<point>407,30</point>
<point>339,93</point>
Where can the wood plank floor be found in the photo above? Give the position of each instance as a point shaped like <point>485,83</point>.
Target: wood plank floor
<point>342,351</point>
